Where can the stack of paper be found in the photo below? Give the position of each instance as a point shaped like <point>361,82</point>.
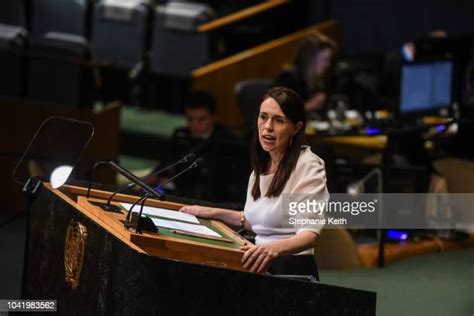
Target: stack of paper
<point>174,217</point>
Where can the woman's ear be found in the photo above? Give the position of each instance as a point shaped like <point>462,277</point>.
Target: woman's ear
<point>298,126</point>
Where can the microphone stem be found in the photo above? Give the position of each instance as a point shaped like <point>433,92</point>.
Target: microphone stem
<point>129,185</point>
<point>134,179</point>
<point>176,175</point>
<point>163,170</point>
<point>137,227</point>
<point>146,196</point>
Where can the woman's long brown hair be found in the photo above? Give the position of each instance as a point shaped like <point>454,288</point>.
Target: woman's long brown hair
<point>293,107</point>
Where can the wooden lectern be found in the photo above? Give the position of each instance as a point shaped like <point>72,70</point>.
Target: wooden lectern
<point>84,257</point>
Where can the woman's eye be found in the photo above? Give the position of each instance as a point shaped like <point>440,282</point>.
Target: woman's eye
<point>280,121</point>
<point>262,116</point>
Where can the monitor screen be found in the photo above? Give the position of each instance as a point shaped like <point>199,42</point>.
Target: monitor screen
<point>425,87</point>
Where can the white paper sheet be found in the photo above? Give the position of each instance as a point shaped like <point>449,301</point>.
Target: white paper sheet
<point>192,228</point>
<point>161,212</point>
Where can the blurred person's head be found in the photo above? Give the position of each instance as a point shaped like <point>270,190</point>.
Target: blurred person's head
<point>200,108</point>
<point>314,57</point>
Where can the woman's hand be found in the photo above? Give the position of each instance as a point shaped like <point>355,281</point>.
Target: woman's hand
<point>199,211</point>
<point>227,216</point>
<point>257,258</point>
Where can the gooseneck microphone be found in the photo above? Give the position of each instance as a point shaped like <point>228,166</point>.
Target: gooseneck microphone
<point>196,163</point>
<point>189,157</point>
<point>127,174</point>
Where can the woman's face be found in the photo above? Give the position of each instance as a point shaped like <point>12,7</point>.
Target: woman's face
<point>274,128</point>
<point>321,62</point>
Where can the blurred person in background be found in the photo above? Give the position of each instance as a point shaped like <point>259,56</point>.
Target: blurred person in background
<point>200,112</point>
<point>308,74</point>
<point>201,135</point>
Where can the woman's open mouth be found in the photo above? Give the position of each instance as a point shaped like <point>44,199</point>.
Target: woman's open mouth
<point>269,139</point>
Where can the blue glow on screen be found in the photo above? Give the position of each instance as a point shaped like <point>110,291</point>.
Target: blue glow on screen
<point>425,86</point>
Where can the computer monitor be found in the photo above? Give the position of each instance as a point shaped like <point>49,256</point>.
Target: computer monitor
<point>457,48</point>
<point>425,87</point>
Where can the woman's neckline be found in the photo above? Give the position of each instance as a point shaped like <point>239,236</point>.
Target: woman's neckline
<point>303,148</point>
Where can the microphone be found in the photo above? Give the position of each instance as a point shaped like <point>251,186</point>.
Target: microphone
<point>137,221</point>
<point>138,226</point>
<point>189,157</point>
<point>196,163</point>
<point>127,174</point>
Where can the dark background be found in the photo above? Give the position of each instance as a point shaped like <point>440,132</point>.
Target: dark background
<point>374,26</point>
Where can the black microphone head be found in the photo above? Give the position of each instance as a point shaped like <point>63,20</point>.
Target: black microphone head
<point>189,157</point>
<point>197,162</point>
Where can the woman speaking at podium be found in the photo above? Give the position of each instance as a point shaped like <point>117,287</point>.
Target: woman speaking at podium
<point>283,169</point>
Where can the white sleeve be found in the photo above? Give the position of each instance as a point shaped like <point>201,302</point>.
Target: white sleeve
<point>249,197</point>
<point>310,187</point>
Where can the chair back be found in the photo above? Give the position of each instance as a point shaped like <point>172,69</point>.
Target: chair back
<point>336,249</point>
